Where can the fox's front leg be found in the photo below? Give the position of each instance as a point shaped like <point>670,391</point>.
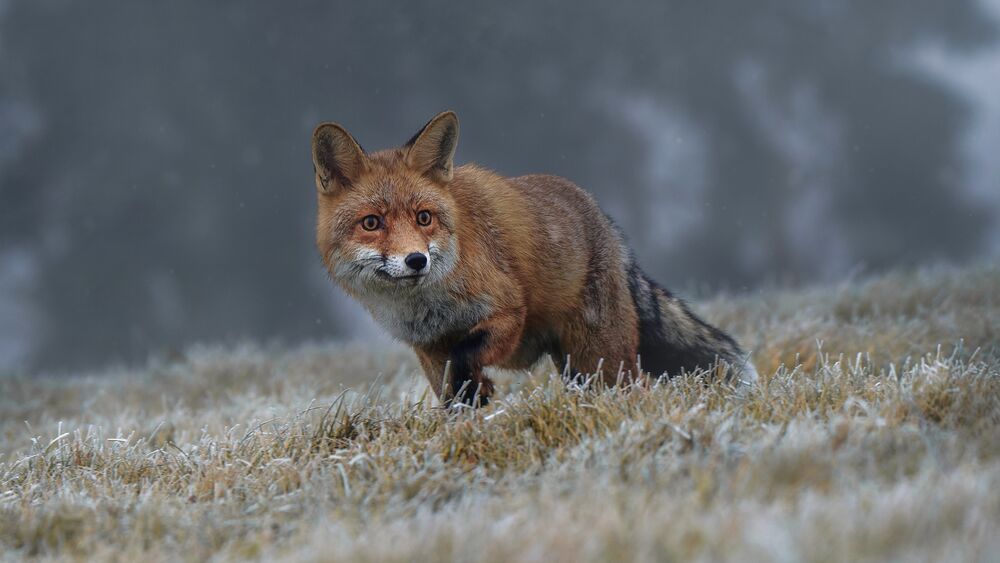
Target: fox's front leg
<point>455,368</point>
<point>488,343</point>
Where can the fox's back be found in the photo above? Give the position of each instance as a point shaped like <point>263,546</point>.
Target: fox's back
<point>551,231</point>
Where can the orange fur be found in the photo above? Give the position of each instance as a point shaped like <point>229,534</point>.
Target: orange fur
<point>519,267</point>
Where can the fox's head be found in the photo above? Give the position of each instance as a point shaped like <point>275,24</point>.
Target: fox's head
<point>386,221</point>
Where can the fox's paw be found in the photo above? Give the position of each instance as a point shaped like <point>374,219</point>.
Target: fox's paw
<point>472,394</point>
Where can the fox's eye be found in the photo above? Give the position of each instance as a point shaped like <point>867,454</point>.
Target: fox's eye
<point>424,218</point>
<point>370,222</point>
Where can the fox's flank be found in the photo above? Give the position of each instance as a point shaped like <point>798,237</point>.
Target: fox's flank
<point>474,270</point>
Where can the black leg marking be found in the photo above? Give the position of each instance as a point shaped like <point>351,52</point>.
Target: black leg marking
<point>463,387</point>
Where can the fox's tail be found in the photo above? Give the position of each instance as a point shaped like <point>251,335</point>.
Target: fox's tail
<point>672,338</point>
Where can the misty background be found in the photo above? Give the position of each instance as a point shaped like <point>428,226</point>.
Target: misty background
<point>156,187</point>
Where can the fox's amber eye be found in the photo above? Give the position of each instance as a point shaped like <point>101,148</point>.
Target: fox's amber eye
<point>424,218</point>
<point>370,222</point>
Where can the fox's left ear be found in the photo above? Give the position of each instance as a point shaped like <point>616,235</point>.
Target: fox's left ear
<point>337,158</point>
<point>432,149</point>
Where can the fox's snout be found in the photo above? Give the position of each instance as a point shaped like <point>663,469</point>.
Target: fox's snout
<point>416,261</point>
<point>367,267</point>
<point>402,265</point>
<point>406,264</point>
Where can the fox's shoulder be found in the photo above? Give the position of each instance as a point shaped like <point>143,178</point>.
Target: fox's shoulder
<point>478,175</point>
<point>544,180</point>
<point>557,195</point>
<point>476,178</point>
<point>529,197</point>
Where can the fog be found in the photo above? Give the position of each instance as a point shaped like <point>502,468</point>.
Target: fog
<point>156,187</point>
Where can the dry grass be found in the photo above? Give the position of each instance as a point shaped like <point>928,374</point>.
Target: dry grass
<point>881,443</point>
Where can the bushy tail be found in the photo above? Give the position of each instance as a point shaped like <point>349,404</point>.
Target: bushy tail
<point>673,339</point>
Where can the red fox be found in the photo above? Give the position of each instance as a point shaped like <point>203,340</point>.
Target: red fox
<point>473,269</point>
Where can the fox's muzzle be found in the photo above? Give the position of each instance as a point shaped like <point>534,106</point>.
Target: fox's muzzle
<point>416,261</point>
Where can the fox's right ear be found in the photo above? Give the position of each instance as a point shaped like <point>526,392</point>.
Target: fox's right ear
<point>432,149</point>
<point>337,158</point>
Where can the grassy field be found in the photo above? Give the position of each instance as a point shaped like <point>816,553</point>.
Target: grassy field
<point>874,434</point>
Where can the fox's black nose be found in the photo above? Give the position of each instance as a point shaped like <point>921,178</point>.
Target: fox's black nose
<point>416,261</point>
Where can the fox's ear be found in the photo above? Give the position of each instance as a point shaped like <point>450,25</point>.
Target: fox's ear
<point>432,149</point>
<point>337,158</point>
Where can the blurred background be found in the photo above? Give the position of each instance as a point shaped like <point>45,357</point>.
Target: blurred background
<point>156,187</point>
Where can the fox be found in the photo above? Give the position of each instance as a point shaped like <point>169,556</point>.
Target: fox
<point>473,269</point>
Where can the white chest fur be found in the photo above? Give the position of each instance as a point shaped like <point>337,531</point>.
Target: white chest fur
<point>423,315</point>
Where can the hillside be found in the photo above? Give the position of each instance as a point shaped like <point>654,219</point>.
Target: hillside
<point>874,434</point>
